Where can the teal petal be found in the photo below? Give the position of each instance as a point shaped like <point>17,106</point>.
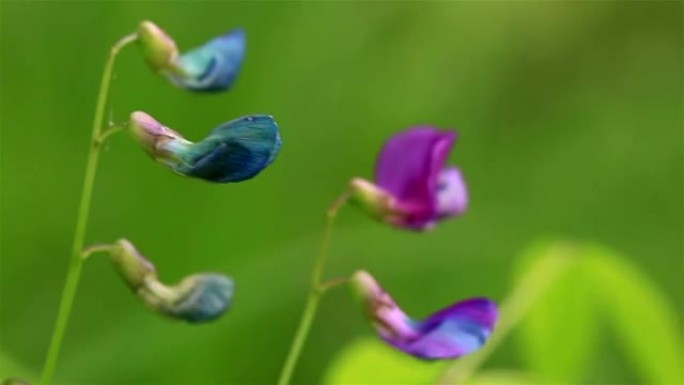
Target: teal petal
<point>233,152</point>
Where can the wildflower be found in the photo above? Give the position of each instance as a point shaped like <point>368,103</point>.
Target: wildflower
<point>413,189</point>
<point>233,152</point>
<point>213,66</point>
<point>452,332</point>
<point>197,298</point>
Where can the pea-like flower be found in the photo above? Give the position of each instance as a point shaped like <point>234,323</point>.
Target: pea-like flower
<point>452,332</point>
<point>213,66</point>
<point>197,298</point>
<point>413,189</point>
<point>233,152</point>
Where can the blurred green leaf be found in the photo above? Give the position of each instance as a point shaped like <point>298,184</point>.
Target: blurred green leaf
<point>645,321</point>
<point>539,272</point>
<point>559,332</point>
<point>369,361</point>
<point>502,377</point>
<point>9,368</point>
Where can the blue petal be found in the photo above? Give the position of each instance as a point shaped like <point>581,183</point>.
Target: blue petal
<point>209,296</point>
<point>215,65</point>
<point>235,151</point>
<point>453,332</point>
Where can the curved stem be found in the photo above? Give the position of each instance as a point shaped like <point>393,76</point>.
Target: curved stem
<point>316,291</point>
<point>76,264</point>
<point>92,249</point>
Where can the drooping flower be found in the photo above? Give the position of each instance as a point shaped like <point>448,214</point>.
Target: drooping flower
<point>233,152</point>
<point>213,66</point>
<point>197,298</point>
<point>413,189</point>
<point>452,332</point>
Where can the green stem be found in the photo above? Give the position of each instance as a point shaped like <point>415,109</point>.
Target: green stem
<point>111,130</point>
<point>92,249</point>
<point>540,278</point>
<point>76,264</point>
<point>315,293</point>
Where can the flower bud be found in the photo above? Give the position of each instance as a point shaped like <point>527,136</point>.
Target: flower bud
<point>210,67</point>
<point>233,152</point>
<point>374,200</point>
<point>158,49</point>
<point>197,298</point>
<point>130,264</point>
<point>156,139</point>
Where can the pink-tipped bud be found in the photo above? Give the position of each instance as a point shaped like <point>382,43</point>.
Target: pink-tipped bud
<point>153,136</point>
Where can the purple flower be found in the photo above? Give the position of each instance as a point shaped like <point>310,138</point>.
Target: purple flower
<point>452,332</point>
<point>413,189</point>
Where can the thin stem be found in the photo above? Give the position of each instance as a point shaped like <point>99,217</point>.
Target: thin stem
<point>76,264</point>
<point>92,249</point>
<point>331,283</point>
<point>113,129</point>
<point>540,278</point>
<point>316,291</point>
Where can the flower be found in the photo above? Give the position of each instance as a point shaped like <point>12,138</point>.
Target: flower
<point>233,152</point>
<point>197,298</point>
<point>413,189</point>
<point>452,332</point>
<point>213,66</point>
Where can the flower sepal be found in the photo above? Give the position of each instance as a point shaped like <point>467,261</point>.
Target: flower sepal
<point>375,201</point>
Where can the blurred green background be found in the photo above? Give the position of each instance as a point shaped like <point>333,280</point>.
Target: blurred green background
<point>570,122</point>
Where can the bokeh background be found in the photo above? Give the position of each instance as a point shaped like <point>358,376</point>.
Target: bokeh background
<point>570,122</point>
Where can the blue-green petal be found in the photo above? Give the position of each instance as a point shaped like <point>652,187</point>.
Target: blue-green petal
<point>233,152</point>
<point>213,66</point>
<point>204,297</point>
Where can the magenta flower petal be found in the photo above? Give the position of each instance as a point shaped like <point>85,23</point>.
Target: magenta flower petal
<point>413,189</point>
<point>455,331</point>
<point>409,165</point>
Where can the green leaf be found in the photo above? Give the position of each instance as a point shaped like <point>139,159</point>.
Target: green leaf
<point>369,361</point>
<point>559,332</point>
<point>645,321</point>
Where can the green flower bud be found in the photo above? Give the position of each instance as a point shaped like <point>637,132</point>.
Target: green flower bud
<point>158,49</point>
